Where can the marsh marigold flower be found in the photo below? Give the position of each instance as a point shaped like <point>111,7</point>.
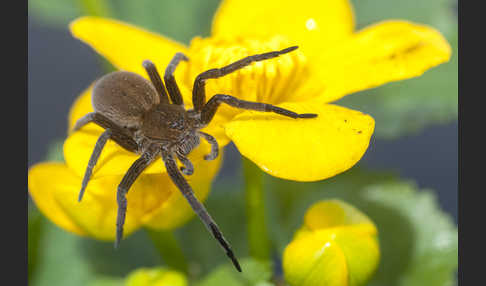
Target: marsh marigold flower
<point>333,60</point>
<point>337,245</point>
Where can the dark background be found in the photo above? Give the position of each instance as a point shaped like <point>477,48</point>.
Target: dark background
<point>60,67</point>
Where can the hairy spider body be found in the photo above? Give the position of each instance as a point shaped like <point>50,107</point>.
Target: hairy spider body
<point>131,101</point>
<point>144,118</point>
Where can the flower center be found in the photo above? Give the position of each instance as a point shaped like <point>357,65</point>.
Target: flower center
<point>271,81</point>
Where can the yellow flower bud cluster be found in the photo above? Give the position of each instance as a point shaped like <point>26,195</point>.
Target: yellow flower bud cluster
<point>336,246</point>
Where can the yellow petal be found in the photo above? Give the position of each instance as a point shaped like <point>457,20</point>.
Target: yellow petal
<point>158,276</point>
<point>341,257</point>
<point>114,160</point>
<point>333,231</point>
<point>124,45</point>
<point>95,215</point>
<point>381,53</point>
<point>362,254</point>
<point>42,191</point>
<point>176,210</point>
<point>315,259</point>
<point>303,149</point>
<point>335,213</point>
<point>310,24</point>
<point>352,230</point>
<point>81,106</point>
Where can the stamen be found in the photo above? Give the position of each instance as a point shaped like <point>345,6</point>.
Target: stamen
<point>271,81</point>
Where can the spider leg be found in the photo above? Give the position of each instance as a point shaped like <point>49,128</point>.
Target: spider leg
<point>170,83</point>
<point>156,80</point>
<point>188,168</point>
<point>197,206</point>
<point>214,146</point>
<point>210,108</point>
<point>198,91</point>
<point>93,159</point>
<point>132,174</point>
<point>120,135</point>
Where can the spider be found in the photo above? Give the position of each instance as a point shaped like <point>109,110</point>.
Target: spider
<point>138,116</point>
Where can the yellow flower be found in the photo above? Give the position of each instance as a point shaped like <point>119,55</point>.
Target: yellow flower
<point>155,277</point>
<point>332,60</point>
<point>336,246</point>
<point>153,200</point>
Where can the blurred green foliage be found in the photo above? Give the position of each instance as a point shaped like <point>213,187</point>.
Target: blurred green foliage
<point>35,221</point>
<point>429,236</point>
<point>255,273</point>
<point>61,262</point>
<point>57,13</point>
<point>107,281</point>
<point>54,151</point>
<point>180,20</point>
<point>418,241</point>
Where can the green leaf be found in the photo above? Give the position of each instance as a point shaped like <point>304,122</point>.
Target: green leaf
<point>423,245</point>
<point>418,240</point>
<point>135,251</point>
<point>255,273</point>
<point>169,248</point>
<point>406,107</point>
<point>60,262</point>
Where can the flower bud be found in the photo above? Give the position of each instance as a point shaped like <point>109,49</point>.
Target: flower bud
<point>337,245</point>
<point>159,276</point>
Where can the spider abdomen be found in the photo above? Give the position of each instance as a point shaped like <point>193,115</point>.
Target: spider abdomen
<point>124,97</point>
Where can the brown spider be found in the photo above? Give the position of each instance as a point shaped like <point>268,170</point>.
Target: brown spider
<point>137,115</point>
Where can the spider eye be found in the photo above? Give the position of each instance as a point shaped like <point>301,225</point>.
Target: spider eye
<point>177,124</point>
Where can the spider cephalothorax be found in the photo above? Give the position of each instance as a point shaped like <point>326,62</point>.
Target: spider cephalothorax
<point>138,115</point>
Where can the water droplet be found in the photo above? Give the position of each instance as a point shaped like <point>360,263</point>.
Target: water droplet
<point>311,24</point>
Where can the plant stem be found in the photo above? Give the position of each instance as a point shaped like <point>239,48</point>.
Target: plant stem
<point>169,249</point>
<point>258,239</point>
